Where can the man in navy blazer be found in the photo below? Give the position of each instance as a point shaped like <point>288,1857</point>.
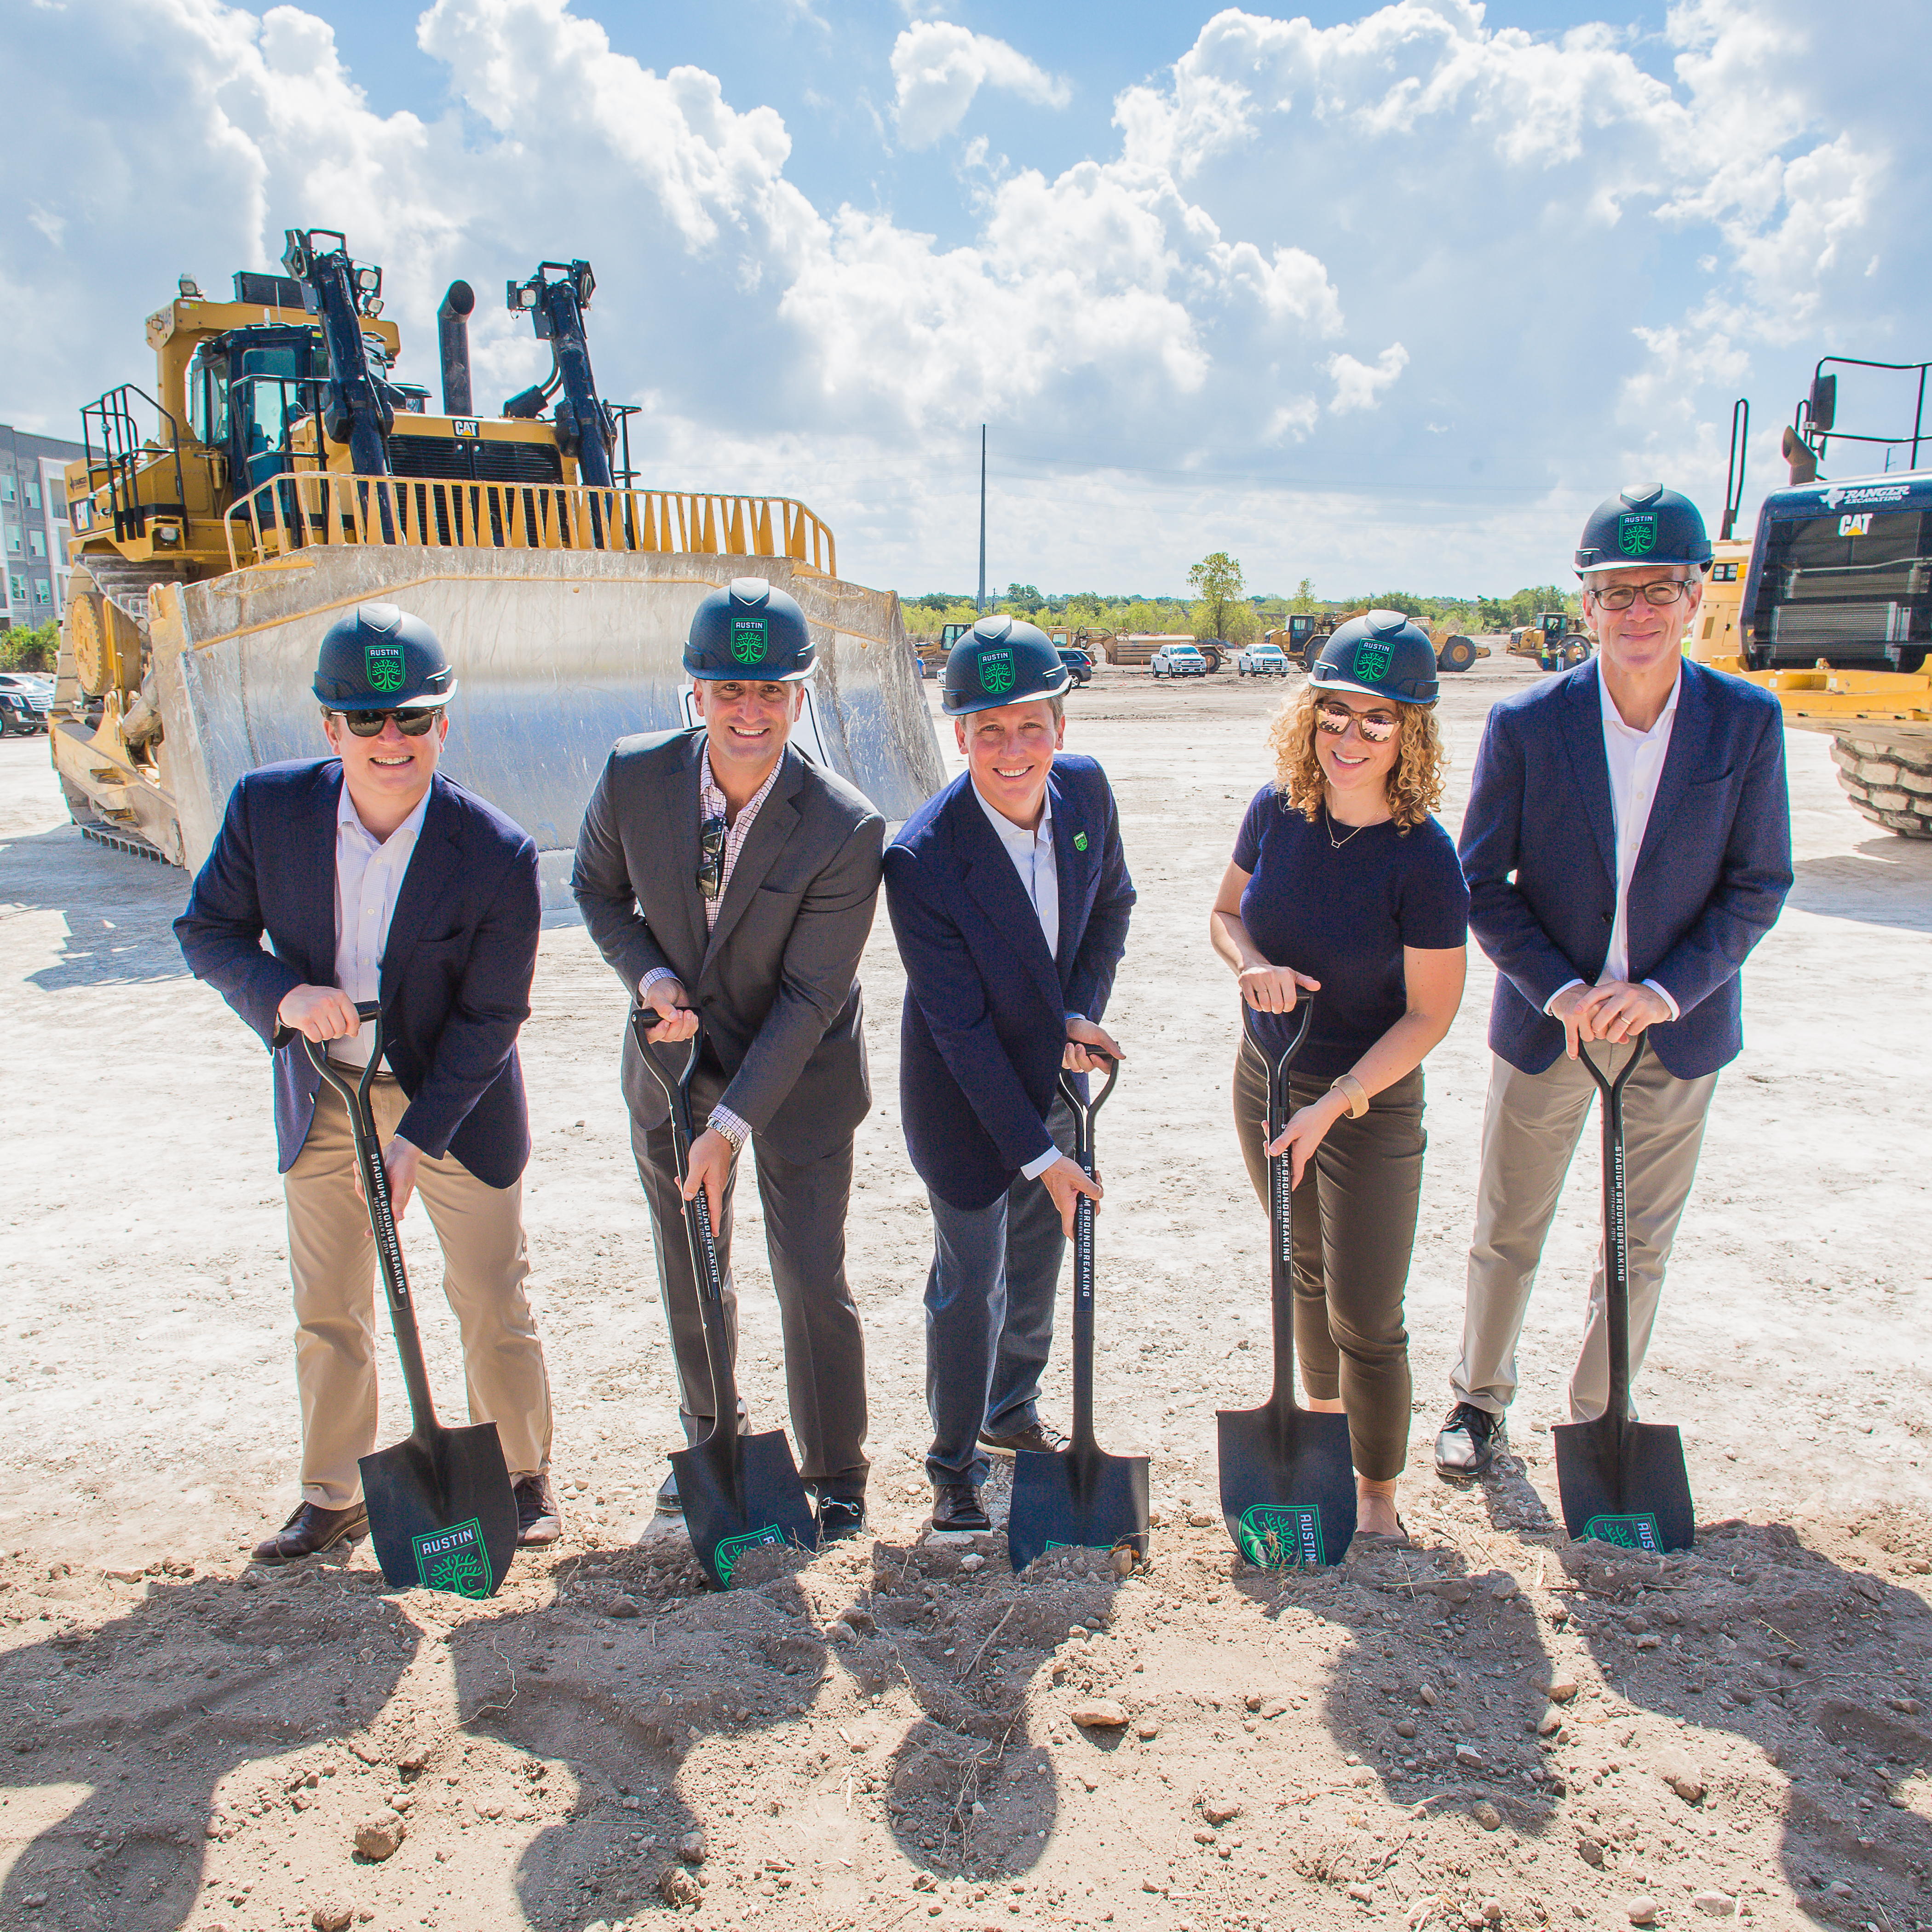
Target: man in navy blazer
<point>1009,899</point>
<point>1627,842</point>
<point>373,877</point>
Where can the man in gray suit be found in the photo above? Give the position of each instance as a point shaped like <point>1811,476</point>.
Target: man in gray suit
<point>730,881</point>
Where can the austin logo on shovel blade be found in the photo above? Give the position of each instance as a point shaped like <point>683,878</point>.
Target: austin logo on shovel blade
<point>455,1560</point>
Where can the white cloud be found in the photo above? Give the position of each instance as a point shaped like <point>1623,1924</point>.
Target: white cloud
<point>938,67</point>
<point>1360,386</point>
<point>1518,270</point>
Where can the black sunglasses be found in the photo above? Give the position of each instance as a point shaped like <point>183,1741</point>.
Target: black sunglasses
<point>411,722</point>
<point>711,865</point>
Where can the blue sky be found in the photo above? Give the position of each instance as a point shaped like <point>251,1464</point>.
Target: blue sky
<point>1385,296</point>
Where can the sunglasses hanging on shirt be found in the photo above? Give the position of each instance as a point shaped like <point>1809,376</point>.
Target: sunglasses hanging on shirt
<point>711,858</point>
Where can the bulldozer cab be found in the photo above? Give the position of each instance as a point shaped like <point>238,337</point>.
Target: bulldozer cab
<point>244,389</point>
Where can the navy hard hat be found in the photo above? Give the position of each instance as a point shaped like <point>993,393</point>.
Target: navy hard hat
<point>1381,654</point>
<point>749,630</point>
<point>1002,660</point>
<point>1644,524</point>
<point>376,657</point>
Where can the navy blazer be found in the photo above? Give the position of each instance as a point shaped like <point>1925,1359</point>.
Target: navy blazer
<point>1539,849</point>
<point>984,1025</point>
<point>455,981</point>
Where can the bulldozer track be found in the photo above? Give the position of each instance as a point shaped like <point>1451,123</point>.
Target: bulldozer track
<point>125,585</point>
<point>131,843</point>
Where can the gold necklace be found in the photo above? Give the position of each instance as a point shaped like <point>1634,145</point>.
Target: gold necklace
<point>1328,825</point>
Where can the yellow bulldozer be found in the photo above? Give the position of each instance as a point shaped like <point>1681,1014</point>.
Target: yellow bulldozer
<point>1829,606</point>
<point>279,473</point>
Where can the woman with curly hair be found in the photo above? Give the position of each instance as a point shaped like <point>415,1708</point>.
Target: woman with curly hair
<point>1343,887</point>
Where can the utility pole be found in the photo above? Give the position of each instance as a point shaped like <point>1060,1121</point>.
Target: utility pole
<point>980,606</point>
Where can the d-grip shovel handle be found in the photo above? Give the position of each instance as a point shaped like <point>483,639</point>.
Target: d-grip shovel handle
<point>1281,1189</point>
<point>1083,1111</point>
<point>1616,1227</point>
<point>381,1211</point>
<point>697,1218</point>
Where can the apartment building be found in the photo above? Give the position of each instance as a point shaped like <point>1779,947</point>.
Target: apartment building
<point>34,527</point>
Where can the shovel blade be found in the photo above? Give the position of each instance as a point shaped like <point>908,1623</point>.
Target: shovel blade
<point>1079,1499</point>
<point>742,1493</point>
<point>1624,1485</point>
<point>1288,1485</point>
<point>442,1514</point>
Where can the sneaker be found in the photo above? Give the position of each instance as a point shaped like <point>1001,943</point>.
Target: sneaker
<point>957,1510</point>
<point>841,1518</point>
<point>1467,1444</point>
<point>539,1517</point>
<point>1040,1439</point>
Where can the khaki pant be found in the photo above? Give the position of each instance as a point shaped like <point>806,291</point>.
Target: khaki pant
<point>1531,1127</point>
<point>332,1265</point>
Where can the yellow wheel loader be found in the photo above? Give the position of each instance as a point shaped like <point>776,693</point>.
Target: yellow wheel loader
<point>279,473</point>
<point>1830,605</point>
<point>1306,631</point>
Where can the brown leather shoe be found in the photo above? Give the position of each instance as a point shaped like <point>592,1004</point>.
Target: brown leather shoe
<point>312,1529</point>
<point>539,1516</point>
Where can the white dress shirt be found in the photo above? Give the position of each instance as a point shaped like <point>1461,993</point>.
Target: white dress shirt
<point>369,876</point>
<point>1032,854</point>
<point>1635,760</point>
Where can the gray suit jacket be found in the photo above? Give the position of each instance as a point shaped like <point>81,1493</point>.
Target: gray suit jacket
<point>775,980</point>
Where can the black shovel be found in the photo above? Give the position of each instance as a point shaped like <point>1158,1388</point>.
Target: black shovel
<point>1079,1499</point>
<point>1621,1481</point>
<point>1288,1477</point>
<point>442,1514</point>
<point>739,1493</point>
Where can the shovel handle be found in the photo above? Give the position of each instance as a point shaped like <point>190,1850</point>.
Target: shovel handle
<point>698,1230</point>
<point>1083,1110</point>
<point>1616,1228</point>
<point>382,1209</point>
<point>1281,1190</point>
<point>1278,1064</point>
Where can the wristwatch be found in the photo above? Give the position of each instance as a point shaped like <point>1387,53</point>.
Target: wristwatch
<point>1352,1090</point>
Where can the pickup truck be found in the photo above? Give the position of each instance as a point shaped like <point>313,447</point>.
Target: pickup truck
<point>1178,660</point>
<point>1262,661</point>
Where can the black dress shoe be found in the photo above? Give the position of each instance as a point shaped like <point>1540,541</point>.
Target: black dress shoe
<point>1467,1443</point>
<point>841,1518</point>
<point>311,1530</point>
<point>1041,1437</point>
<point>539,1515</point>
<point>957,1510</point>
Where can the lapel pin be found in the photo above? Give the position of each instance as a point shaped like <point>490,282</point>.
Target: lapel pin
<point>1079,842</point>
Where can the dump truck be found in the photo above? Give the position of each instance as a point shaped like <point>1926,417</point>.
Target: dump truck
<point>1307,631</point>
<point>279,472</point>
<point>1829,606</point>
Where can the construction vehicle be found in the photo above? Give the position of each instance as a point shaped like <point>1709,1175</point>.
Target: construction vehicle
<point>1830,605</point>
<point>1307,631</point>
<point>280,472</point>
<point>1556,640</point>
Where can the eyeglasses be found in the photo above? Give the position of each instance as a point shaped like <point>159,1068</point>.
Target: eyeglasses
<point>412,722</point>
<point>711,865</point>
<point>1377,726</point>
<point>1621,596</point>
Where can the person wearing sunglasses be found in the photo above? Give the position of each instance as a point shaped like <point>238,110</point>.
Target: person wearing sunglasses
<point>1627,843</point>
<point>731,883</point>
<point>1344,889</point>
<point>374,877</point>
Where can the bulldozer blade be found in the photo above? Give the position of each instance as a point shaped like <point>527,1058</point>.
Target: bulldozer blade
<point>1288,1485</point>
<point>1624,1483</point>
<point>742,1493</point>
<point>1080,1498</point>
<point>442,1514</point>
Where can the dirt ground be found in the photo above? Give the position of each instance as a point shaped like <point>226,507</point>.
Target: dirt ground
<point>1494,1727</point>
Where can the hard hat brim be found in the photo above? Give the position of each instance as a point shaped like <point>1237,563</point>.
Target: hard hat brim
<point>1319,682</point>
<point>749,674</point>
<point>980,701</point>
<point>375,700</point>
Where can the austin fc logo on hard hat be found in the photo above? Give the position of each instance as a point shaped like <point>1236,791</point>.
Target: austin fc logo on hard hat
<point>1637,532</point>
<point>383,665</point>
<point>996,672</point>
<point>748,639</point>
<point>1372,662</point>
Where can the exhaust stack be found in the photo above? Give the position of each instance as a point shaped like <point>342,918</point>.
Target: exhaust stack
<point>452,331</point>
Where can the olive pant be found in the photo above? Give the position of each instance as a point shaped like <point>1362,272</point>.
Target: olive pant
<point>1354,1225</point>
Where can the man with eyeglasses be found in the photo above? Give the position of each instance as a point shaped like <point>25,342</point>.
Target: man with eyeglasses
<point>1627,842</point>
<point>731,883</point>
<point>375,877</point>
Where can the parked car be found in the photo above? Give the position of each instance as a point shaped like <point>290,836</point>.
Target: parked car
<point>1079,665</point>
<point>26,697</point>
<point>1262,661</point>
<point>1178,660</point>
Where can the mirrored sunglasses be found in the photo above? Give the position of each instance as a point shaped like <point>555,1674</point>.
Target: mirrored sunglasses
<point>1377,726</point>
<point>412,722</point>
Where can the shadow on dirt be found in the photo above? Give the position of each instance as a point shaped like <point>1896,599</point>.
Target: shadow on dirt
<point>1826,1669</point>
<point>120,911</point>
<point>118,1737</point>
<point>1888,883</point>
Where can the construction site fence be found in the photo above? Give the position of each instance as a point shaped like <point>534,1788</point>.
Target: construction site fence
<point>293,512</point>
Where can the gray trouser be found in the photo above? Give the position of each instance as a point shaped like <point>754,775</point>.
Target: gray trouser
<point>805,1204</point>
<point>989,1298</point>
<point>1531,1127</point>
